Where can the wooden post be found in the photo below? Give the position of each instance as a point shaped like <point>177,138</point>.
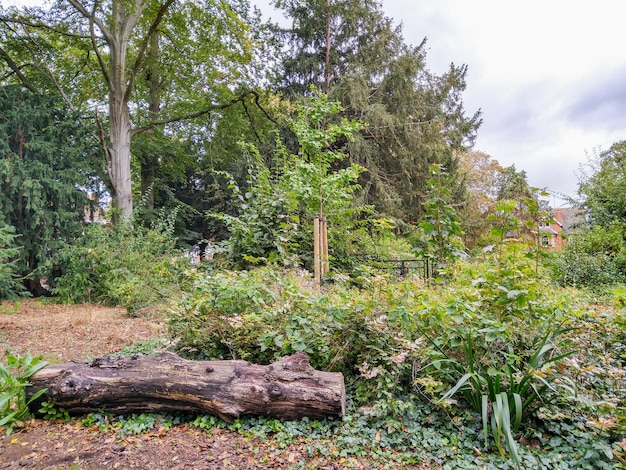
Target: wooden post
<point>324,237</point>
<point>316,251</point>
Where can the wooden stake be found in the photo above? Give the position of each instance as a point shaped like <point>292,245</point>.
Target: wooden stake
<point>324,236</point>
<point>316,251</point>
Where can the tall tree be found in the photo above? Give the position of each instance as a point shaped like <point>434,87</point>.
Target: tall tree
<point>415,118</point>
<point>46,168</point>
<point>95,53</point>
<point>482,175</point>
<point>604,190</point>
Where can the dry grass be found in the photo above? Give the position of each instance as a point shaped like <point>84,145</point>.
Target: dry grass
<point>64,333</point>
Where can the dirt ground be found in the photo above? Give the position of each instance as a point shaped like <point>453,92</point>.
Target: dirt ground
<point>62,333</point>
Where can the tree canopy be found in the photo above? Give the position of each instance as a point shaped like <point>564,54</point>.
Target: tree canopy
<point>603,190</point>
<point>132,66</point>
<point>414,118</point>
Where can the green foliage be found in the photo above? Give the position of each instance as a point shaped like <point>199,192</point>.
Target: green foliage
<point>134,423</point>
<point>261,315</point>
<point>414,118</point>
<point>53,413</point>
<point>594,258</point>
<point>277,208</point>
<point>127,266</point>
<point>10,285</point>
<point>440,225</point>
<point>603,189</point>
<point>46,169</point>
<point>14,377</point>
<point>497,338</point>
<point>502,338</point>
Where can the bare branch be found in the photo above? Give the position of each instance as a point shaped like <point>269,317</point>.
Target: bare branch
<point>240,98</point>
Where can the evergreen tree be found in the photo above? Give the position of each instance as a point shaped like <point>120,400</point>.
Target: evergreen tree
<point>414,118</point>
<point>46,169</point>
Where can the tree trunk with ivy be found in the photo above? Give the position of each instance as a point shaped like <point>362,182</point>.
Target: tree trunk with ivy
<point>287,389</point>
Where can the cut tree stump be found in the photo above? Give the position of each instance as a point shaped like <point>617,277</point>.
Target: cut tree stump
<point>287,389</point>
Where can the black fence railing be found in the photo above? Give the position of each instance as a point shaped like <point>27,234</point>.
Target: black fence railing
<point>424,268</point>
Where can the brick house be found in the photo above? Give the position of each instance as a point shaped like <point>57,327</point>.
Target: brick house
<point>551,232</point>
<point>554,232</point>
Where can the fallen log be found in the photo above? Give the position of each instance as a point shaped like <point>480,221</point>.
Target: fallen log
<point>287,389</point>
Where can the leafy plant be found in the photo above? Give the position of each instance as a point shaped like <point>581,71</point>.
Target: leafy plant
<point>129,266</point>
<point>276,209</point>
<point>440,225</point>
<point>13,382</point>
<point>53,413</point>
<point>504,394</point>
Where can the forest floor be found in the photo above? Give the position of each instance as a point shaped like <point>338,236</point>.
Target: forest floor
<point>66,333</point>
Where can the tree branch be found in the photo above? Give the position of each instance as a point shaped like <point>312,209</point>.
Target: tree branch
<point>144,45</point>
<point>25,22</point>
<point>49,72</point>
<point>16,68</point>
<point>107,156</point>
<point>92,18</point>
<point>242,96</point>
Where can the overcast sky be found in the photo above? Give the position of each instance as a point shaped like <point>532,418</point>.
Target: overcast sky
<point>548,75</point>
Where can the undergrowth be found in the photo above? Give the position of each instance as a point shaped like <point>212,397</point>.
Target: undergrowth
<point>499,354</point>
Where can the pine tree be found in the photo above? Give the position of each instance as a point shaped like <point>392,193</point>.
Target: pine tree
<point>414,118</point>
<point>46,169</point>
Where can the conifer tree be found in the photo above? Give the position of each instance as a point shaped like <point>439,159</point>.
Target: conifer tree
<point>414,118</point>
<point>46,168</point>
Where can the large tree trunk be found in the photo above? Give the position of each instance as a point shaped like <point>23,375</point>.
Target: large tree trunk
<point>120,156</point>
<point>287,389</point>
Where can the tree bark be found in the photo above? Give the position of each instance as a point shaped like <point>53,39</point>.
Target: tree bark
<point>287,389</point>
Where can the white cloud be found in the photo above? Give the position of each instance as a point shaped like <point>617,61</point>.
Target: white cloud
<point>548,75</point>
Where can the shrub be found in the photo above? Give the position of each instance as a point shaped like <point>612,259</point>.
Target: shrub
<point>593,259</point>
<point>262,315</point>
<point>498,339</point>
<point>127,266</point>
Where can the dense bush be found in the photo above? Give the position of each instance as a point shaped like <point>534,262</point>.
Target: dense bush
<point>262,315</point>
<point>132,267</point>
<point>594,258</point>
<point>498,340</point>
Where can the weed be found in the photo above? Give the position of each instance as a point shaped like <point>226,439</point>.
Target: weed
<point>14,377</point>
